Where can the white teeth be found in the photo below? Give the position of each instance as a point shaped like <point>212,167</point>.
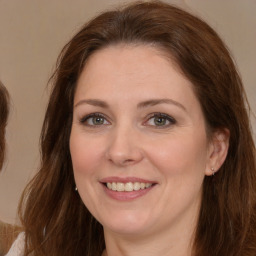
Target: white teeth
<point>128,187</point>
<point>119,186</point>
<point>113,186</point>
<point>142,185</point>
<point>137,186</point>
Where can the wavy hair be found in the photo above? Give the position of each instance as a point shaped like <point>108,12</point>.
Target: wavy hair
<point>55,220</point>
<point>4,111</point>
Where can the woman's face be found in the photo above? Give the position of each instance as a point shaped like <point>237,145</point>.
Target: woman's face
<point>138,142</point>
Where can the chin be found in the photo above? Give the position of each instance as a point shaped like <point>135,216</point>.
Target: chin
<point>127,224</point>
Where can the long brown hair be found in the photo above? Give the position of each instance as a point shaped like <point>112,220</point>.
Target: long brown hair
<point>55,220</point>
<point>4,111</point>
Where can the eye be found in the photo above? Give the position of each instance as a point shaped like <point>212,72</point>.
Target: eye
<point>95,119</point>
<point>160,120</point>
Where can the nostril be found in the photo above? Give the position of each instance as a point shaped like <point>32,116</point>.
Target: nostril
<point>129,160</point>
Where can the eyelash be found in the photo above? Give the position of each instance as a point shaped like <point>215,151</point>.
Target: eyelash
<point>166,117</point>
<point>84,120</point>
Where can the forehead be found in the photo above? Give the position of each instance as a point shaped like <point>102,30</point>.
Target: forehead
<point>135,65</point>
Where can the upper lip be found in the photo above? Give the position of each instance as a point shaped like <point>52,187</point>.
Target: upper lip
<point>125,180</point>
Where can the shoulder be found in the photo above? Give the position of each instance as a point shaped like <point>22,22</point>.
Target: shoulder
<point>18,246</point>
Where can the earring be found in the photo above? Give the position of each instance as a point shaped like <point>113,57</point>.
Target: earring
<point>213,171</point>
<point>76,189</point>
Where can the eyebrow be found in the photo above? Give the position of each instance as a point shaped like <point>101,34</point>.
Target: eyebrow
<point>154,102</point>
<point>93,102</point>
<point>144,104</point>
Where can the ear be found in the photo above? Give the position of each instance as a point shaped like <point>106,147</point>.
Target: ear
<point>217,151</point>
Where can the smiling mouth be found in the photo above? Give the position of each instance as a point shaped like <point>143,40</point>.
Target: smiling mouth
<point>127,187</point>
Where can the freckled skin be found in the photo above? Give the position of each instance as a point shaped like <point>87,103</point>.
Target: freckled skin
<point>130,144</point>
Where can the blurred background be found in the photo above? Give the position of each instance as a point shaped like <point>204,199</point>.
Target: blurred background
<point>32,33</point>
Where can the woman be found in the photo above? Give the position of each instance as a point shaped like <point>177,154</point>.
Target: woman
<point>4,111</point>
<point>8,233</point>
<point>146,144</point>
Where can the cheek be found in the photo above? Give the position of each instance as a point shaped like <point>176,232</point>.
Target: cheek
<point>180,155</point>
<point>85,154</point>
<point>85,157</point>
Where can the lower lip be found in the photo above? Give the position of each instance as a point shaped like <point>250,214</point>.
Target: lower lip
<point>126,196</point>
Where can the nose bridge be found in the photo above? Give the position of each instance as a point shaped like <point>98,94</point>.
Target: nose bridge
<point>124,147</point>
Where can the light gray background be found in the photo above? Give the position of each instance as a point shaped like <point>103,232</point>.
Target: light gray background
<point>32,34</point>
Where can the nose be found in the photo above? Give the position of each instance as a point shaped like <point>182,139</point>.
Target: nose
<point>124,147</point>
